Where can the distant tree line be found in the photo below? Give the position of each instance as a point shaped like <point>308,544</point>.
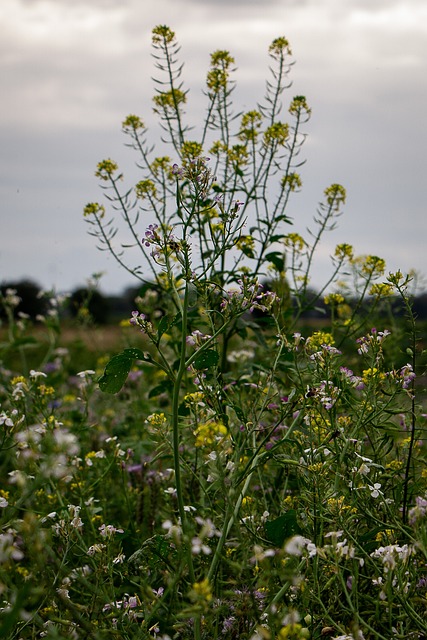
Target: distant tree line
<point>90,303</point>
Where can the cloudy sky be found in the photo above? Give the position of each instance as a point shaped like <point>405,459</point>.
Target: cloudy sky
<point>71,71</point>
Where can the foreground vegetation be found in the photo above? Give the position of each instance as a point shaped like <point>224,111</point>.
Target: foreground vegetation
<point>230,472</point>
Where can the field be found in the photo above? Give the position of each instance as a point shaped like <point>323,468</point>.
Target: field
<point>217,466</point>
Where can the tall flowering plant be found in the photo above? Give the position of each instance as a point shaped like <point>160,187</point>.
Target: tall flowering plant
<point>268,434</point>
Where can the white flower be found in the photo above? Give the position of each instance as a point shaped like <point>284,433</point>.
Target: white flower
<point>295,546</point>
<point>37,374</point>
<point>108,530</point>
<point>375,490</point>
<point>4,419</point>
<point>198,546</point>
<point>85,374</point>
<point>119,559</point>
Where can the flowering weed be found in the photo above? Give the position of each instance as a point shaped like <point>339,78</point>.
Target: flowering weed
<point>230,473</point>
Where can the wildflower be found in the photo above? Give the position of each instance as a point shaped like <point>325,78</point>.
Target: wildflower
<point>373,266</point>
<point>198,546</point>
<point>37,374</point>
<point>417,512</point>
<point>201,591</point>
<point>145,188</point>
<point>8,548</point>
<point>276,134</point>
<point>86,374</point>
<point>279,47</point>
<point>299,106</point>
<point>95,548</point>
<point>407,376</point>
<point>119,559</point>
<point>392,554</point>
<point>343,251</point>
<point>296,545</point>
<point>76,522</point>
<point>6,420</point>
<point>333,299</point>
<point>319,339</point>
<point>162,35</point>
<point>335,196</point>
<point>106,169</point>
<point>156,420</point>
<point>209,432</point>
<point>172,530</point>
<point>218,75</point>
<point>132,122</point>
<point>381,290</point>
<point>151,235</point>
<point>292,181</point>
<point>197,338</point>
<point>260,554</point>
<point>169,100</point>
<point>108,530</point>
<point>375,490</point>
<point>250,125</point>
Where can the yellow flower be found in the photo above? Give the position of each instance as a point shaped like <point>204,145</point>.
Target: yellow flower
<point>333,299</point>
<point>292,181</point>
<point>161,165</point>
<point>372,374</point>
<point>250,125</point>
<point>169,100</point>
<point>381,290</point>
<point>106,169</point>
<point>209,432</point>
<point>202,591</point>
<point>299,106</point>
<point>373,266</point>
<point>344,251</point>
<point>280,47</point>
<point>156,420</point>
<point>295,241</point>
<point>132,122</point>
<point>94,209</point>
<point>145,188</point>
<point>238,154</point>
<point>318,339</point>
<point>162,35</point>
<point>219,72</point>
<point>292,631</point>
<point>191,150</point>
<point>335,196</point>
<point>277,133</point>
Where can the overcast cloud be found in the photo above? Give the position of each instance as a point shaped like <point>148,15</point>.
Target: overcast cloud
<point>71,71</point>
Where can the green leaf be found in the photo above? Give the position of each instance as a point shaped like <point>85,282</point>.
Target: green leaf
<point>277,259</point>
<point>206,359</point>
<point>284,527</point>
<point>117,369</point>
<point>163,387</point>
<point>135,354</point>
<point>116,373</point>
<point>162,327</point>
<point>239,413</point>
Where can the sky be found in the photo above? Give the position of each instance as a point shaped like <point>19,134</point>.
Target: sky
<point>71,71</point>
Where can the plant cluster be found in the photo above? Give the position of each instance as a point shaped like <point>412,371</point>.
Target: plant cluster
<point>230,473</point>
